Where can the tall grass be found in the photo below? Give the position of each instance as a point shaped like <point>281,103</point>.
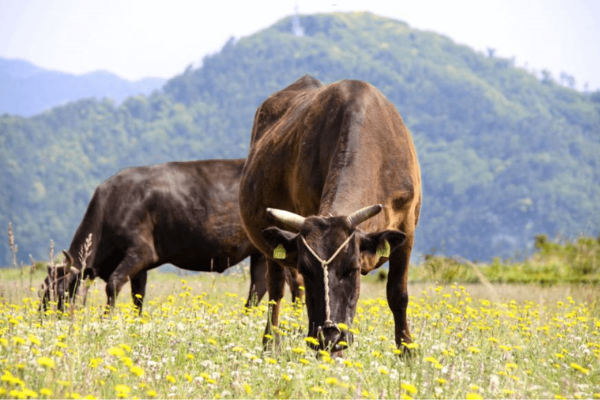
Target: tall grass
<point>195,339</point>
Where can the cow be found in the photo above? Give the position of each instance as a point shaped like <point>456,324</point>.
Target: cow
<point>332,189</point>
<point>183,213</point>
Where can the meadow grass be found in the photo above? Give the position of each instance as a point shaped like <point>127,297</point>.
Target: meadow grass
<point>195,339</point>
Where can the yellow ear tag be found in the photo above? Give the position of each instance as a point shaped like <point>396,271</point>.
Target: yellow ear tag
<point>279,252</point>
<point>384,251</point>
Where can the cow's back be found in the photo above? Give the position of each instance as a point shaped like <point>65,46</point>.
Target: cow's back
<point>332,150</point>
<point>188,212</point>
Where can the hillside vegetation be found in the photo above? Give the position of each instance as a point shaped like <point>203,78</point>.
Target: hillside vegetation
<point>504,155</point>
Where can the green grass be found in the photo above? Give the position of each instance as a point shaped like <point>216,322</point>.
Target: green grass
<point>196,340</point>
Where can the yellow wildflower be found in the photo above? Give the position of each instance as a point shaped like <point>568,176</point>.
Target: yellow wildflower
<point>412,389</point>
<point>247,388</point>
<point>473,396</point>
<point>46,362</point>
<point>115,351</point>
<point>579,368</point>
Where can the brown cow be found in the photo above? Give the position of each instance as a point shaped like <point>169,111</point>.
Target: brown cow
<point>183,213</point>
<point>324,162</point>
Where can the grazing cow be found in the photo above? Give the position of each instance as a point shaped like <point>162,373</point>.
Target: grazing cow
<point>183,213</point>
<point>335,170</point>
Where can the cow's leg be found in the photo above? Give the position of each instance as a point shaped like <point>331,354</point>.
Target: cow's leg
<point>136,259</point>
<point>295,281</point>
<point>258,279</point>
<point>276,288</point>
<point>397,290</point>
<point>138,289</point>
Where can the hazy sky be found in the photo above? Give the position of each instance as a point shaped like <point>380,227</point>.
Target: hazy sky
<point>140,38</point>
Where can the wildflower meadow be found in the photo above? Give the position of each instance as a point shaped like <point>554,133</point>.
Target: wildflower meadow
<point>195,339</point>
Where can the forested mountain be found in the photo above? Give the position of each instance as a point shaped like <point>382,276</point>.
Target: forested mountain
<point>504,155</point>
<point>26,89</point>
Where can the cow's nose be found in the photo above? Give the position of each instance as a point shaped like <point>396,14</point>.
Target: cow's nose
<point>330,336</point>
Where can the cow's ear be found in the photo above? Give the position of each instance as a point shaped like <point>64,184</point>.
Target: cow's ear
<point>68,259</point>
<point>58,271</point>
<point>283,244</point>
<point>383,242</point>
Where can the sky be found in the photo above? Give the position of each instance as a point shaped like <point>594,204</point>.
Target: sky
<point>150,38</point>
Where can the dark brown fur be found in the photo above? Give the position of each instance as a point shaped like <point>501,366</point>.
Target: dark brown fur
<point>324,152</point>
<point>182,213</point>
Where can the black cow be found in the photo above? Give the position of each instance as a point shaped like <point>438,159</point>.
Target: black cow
<point>183,213</point>
<point>335,169</point>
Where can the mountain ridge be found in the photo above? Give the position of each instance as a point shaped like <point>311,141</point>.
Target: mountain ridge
<point>28,89</point>
<point>504,156</point>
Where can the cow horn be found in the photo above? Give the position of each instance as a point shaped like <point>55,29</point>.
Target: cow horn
<point>288,218</point>
<point>357,217</point>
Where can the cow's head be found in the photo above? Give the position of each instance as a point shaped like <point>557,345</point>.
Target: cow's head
<point>62,281</point>
<point>337,243</point>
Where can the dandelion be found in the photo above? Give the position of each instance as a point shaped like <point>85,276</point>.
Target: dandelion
<point>412,389</point>
<point>122,391</point>
<point>45,392</point>
<point>25,393</point>
<point>125,347</point>
<point>384,371</point>
<point>171,378</point>
<point>270,360</point>
<point>34,340</point>
<point>318,389</point>
<point>190,356</point>
<point>411,346</point>
<point>473,349</point>
<point>138,371</point>
<point>247,389</point>
<point>18,340</point>
<point>298,350</point>
<point>579,368</point>
<point>116,351</point>
<point>151,393</point>
<point>188,377</point>
<point>46,362</point>
<point>286,377</point>
<point>473,396</point>
<point>311,340</point>
<point>331,381</point>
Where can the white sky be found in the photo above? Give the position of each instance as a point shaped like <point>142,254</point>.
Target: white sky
<point>141,38</point>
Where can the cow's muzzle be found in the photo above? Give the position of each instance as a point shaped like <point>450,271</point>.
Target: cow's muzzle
<point>331,338</point>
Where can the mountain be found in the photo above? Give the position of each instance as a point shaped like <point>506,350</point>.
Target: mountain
<point>504,155</point>
<point>27,89</point>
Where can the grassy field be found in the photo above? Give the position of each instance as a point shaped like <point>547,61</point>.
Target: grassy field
<point>196,340</point>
